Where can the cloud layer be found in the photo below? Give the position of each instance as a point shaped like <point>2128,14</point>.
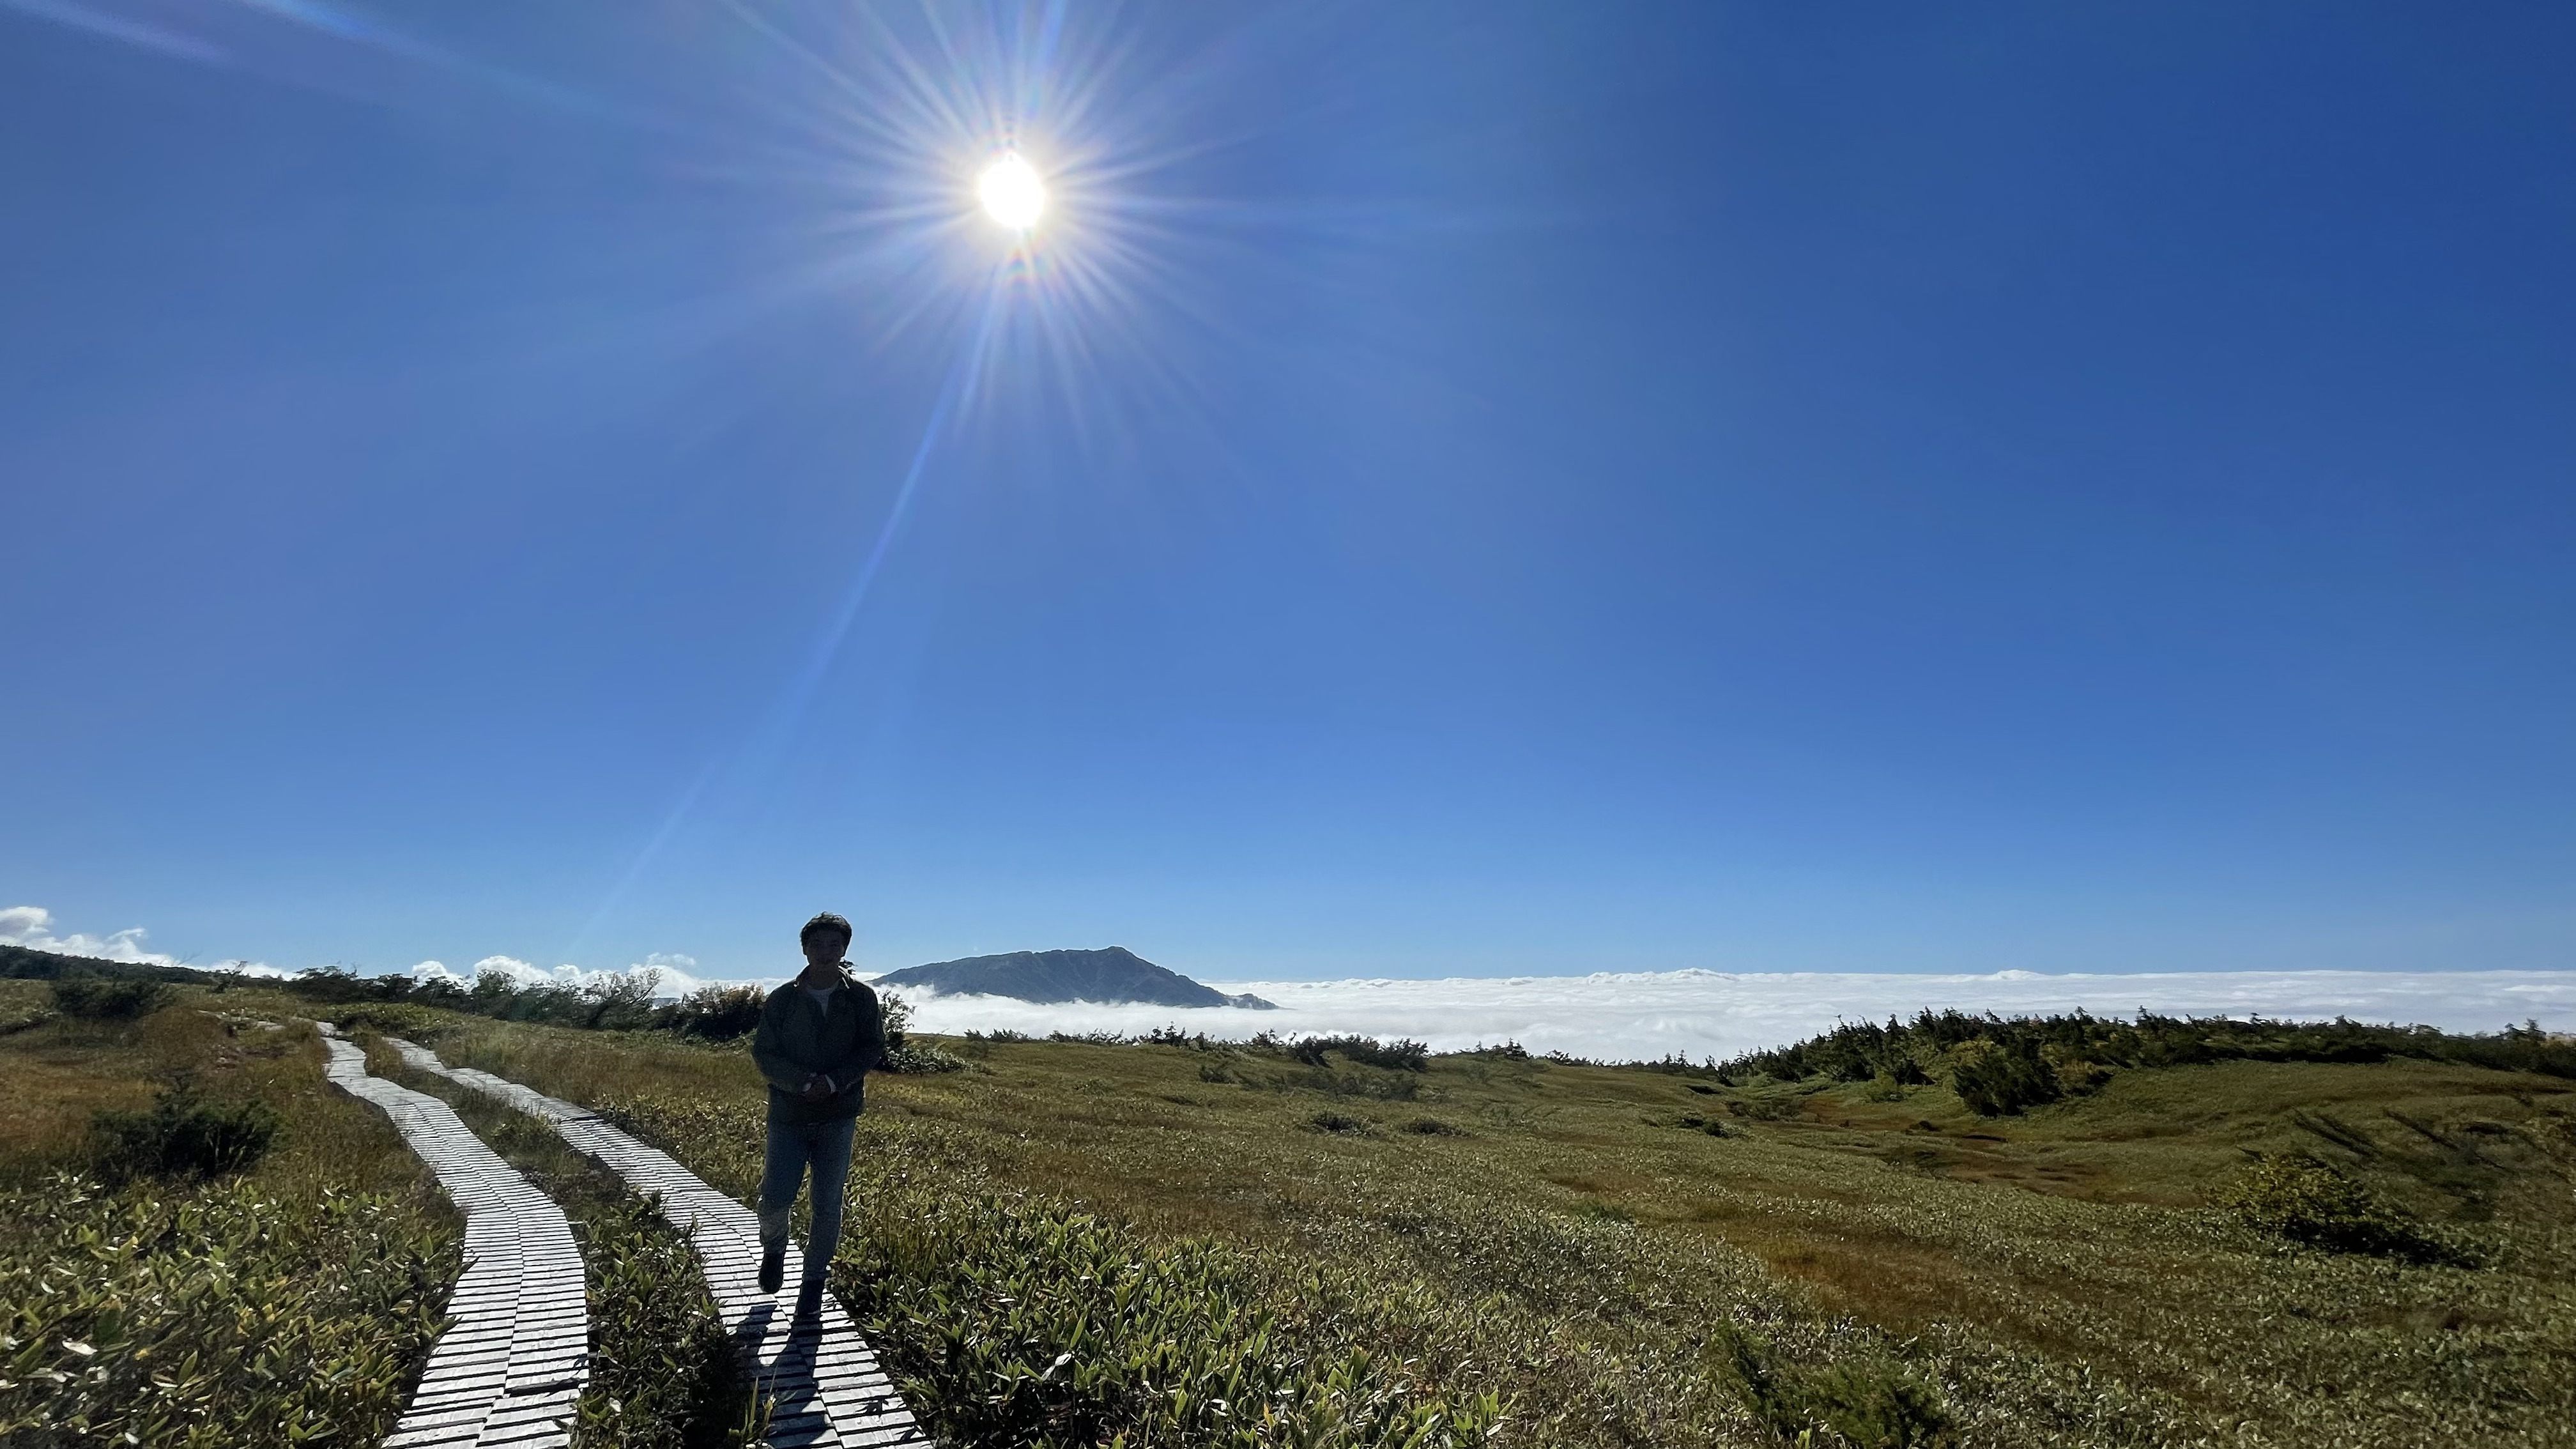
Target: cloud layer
<point>1611,1017</point>
<point>1706,1013</point>
<point>33,928</point>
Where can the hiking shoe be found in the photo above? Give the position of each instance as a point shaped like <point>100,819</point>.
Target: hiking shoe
<point>773,1267</point>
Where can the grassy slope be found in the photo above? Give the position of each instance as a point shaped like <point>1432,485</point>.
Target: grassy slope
<point>1578,1244</point>
<point>294,1302</point>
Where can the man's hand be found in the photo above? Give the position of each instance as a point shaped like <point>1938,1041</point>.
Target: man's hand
<point>817,1088</point>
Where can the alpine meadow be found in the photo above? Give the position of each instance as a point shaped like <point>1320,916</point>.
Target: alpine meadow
<point>2176,1233</point>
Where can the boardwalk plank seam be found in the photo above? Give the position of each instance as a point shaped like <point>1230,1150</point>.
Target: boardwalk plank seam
<point>814,1368</point>
<point>511,1365</point>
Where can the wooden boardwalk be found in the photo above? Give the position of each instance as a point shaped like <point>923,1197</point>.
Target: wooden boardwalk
<point>511,1367</point>
<point>823,1381</point>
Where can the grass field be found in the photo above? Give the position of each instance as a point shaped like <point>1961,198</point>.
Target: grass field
<point>1174,1244</point>
<point>290,1302</point>
<point>1630,1257</point>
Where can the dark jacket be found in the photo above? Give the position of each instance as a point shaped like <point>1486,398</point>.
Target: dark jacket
<point>795,1041</point>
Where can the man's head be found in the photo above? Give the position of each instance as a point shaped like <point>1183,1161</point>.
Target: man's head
<point>826,939</point>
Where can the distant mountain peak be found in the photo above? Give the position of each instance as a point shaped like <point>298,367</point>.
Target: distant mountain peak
<point>1109,975</point>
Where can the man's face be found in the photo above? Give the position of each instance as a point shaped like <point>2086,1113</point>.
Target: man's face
<point>824,949</point>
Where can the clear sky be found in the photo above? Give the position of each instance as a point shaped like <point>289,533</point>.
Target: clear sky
<point>1446,488</point>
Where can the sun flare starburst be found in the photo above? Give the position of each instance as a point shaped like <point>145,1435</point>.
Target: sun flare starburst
<point>1012,192</point>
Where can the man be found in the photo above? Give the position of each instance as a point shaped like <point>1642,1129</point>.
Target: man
<point>818,1036</point>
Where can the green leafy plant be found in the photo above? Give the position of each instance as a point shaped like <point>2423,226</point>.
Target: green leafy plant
<point>1871,1405</point>
<point>1015,1320</point>
<point>663,1374</point>
<point>2308,1201</point>
<point>717,1013</point>
<point>212,1318</point>
<point>1997,1078</point>
<point>105,998</point>
<point>184,1135</point>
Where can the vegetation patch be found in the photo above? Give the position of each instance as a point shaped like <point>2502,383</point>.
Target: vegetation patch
<point>219,1317</point>
<point>2001,1065</point>
<point>184,1135</point>
<point>663,1374</point>
<point>1019,1320</point>
<point>1860,1405</point>
<point>107,998</point>
<point>2307,1201</point>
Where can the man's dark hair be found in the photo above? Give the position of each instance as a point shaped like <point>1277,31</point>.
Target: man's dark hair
<point>827,924</point>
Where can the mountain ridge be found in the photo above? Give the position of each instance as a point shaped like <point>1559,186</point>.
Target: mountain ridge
<point>1111,975</point>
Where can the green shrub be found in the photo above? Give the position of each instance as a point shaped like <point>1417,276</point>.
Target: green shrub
<point>2308,1201</point>
<point>184,1135</point>
<point>1767,1106</point>
<point>213,1318</point>
<point>1016,1320</point>
<point>102,998</point>
<point>1999,1078</point>
<point>1862,1405</point>
<point>716,1013</point>
<point>663,1374</point>
<point>1858,1051</point>
<point>1400,1056</point>
<point>919,1059</point>
<point>1336,1122</point>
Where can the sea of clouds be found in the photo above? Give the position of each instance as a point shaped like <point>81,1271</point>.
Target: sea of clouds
<point>1640,1016</point>
<point>1610,1017</point>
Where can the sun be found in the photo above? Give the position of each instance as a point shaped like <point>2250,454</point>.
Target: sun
<point>1012,193</point>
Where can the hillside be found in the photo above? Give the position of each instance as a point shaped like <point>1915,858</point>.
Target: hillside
<point>1066,1242</point>
<point>1111,974</point>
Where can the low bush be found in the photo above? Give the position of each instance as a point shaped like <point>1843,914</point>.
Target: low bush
<point>662,1370</point>
<point>2308,1201</point>
<point>1861,1405</point>
<point>919,1059</point>
<point>1858,1051</point>
<point>106,998</point>
<point>1019,1320</point>
<point>214,1318</point>
<point>1399,1056</point>
<point>717,1013</point>
<point>1999,1078</point>
<point>183,1136</point>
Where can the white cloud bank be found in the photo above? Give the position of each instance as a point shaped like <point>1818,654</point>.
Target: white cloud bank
<point>1606,1016</point>
<point>671,972</point>
<point>33,928</point>
<point>1708,1013</point>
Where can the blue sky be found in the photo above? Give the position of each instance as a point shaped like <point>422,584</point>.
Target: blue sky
<point>1451,489</point>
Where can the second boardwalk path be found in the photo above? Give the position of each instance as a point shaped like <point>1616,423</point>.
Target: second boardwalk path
<point>508,1371</point>
<point>823,1381</point>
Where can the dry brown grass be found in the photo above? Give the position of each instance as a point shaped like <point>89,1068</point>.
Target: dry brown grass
<point>2055,1269</point>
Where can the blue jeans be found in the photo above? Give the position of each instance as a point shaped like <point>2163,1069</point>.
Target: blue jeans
<point>792,1147</point>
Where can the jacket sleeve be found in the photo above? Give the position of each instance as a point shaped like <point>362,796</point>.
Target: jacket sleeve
<point>766,1053</point>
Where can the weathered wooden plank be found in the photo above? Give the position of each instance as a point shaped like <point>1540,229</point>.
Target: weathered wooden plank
<point>826,1386</point>
<point>520,1321</point>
